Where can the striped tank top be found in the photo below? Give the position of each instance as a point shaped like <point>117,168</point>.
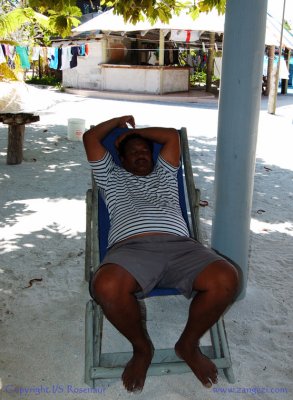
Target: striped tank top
<point>139,204</point>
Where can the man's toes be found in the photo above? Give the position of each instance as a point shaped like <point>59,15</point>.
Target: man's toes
<point>133,387</point>
<point>132,384</point>
<point>212,379</point>
<point>208,384</point>
<point>137,389</point>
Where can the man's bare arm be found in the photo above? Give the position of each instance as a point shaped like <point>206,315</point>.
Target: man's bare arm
<point>170,140</point>
<point>92,139</point>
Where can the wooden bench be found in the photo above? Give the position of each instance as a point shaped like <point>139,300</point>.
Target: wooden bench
<point>16,127</point>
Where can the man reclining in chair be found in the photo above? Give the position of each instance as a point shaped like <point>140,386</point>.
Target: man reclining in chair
<point>149,246</point>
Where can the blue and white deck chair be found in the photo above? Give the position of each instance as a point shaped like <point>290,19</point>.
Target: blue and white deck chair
<point>100,365</point>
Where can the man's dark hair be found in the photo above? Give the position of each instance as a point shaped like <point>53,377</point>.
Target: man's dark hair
<point>123,144</point>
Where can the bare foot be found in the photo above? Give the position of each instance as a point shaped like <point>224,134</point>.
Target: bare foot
<point>203,368</point>
<point>134,374</point>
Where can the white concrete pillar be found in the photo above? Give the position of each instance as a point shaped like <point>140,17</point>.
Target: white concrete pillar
<point>239,106</point>
<point>161,47</point>
<point>104,43</point>
<point>162,59</point>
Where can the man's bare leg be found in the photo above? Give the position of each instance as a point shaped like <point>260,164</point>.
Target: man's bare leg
<point>216,286</point>
<point>113,288</point>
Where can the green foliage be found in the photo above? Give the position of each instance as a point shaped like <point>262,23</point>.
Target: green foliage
<point>19,17</point>
<point>287,26</point>
<point>62,15</point>
<point>58,6</point>
<point>199,74</point>
<point>207,5</point>
<point>198,77</point>
<point>31,25</point>
<point>47,80</point>
<point>7,5</point>
<point>63,20</point>
<point>135,10</point>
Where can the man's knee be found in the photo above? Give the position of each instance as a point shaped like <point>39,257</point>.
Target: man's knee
<point>111,282</point>
<point>221,277</point>
<point>226,280</point>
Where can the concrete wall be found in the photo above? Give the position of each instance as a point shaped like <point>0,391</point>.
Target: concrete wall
<point>175,80</point>
<point>141,79</point>
<point>86,75</point>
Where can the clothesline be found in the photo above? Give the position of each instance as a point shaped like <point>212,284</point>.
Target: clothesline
<point>58,58</point>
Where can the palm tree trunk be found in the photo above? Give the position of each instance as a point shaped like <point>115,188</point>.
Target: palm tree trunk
<point>271,56</point>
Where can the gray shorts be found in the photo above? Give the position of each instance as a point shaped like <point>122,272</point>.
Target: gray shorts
<point>166,261</point>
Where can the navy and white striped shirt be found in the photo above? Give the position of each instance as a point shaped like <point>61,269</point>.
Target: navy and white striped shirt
<point>139,204</point>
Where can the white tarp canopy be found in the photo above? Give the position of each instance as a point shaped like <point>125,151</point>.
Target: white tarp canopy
<point>109,22</point>
<point>273,33</point>
<point>211,22</point>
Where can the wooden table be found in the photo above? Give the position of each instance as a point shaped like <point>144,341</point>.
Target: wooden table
<point>16,127</point>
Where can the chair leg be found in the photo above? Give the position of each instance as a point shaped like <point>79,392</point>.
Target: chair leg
<point>88,240</point>
<point>221,348</point>
<point>98,332</point>
<point>93,339</point>
<point>89,344</point>
<point>215,341</point>
<point>225,347</point>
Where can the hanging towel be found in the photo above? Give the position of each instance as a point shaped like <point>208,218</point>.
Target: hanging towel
<point>4,50</point>
<point>185,35</point>
<point>74,52</point>
<point>66,57</point>
<point>53,57</point>
<point>60,51</point>
<point>2,56</point>
<point>35,53</point>
<point>218,67</point>
<point>23,55</point>
<point>81,50</point>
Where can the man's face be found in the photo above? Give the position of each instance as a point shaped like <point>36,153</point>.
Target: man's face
<point>137,158</point>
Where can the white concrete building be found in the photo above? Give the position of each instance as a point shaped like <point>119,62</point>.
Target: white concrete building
<point>108,67</point>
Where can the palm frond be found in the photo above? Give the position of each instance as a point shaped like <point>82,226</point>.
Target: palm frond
<point>14,20</point>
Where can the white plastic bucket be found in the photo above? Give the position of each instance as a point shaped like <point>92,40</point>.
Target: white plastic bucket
<point>75,128</point>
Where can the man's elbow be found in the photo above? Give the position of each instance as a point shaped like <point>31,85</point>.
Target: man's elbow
<point>174,132</point>
<point>174,136</point>
<point>87,137</point>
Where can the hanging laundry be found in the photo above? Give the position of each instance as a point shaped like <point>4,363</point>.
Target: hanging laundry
<point>52,54</point>
<point>66,57</point>
<point>218,67</point>
<point>284,72</point>
<point>7,50</point>
<point>180,35</point>
<point>74,52</point>
<point>4,50</point>
<point>2,56</point>
<point>152,58</point>
<point>23,55</point>
<point>81,50</point>
<point>59,58</point>
<point>35,53</point>
<point>43,52</point>
<point>11,51</point>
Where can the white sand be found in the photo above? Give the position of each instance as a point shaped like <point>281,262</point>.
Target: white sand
<point>42,234</point>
